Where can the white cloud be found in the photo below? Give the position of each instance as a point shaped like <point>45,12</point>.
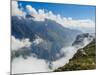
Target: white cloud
<point>31,10</point>
<point>29,65</point>
<point>34,64</point>
<point>84,24</point>
<point>20,43</point>
<point>17,44</point>
<point>69,52</point>
<point>16,10</point>
<point>41,15</point>
<point>38,40</point>
<point>38,15</point>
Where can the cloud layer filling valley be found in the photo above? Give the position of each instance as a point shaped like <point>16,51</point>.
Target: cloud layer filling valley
<point>34,64</point>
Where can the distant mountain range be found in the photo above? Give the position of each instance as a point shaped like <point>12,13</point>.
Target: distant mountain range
<point>54,37</point>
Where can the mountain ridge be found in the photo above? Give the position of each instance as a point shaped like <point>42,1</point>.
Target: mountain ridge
<point>54,35</point>
<point>84,59</point>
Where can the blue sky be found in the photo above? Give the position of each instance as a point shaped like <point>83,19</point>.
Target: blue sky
<point>65,10</point>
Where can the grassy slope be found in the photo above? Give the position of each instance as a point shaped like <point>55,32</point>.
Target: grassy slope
<point>82,61</point>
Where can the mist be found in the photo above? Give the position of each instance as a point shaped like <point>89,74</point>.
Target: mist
<point>34,64</point>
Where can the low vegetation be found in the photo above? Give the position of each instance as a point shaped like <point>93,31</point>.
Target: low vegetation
<point>84,59</point>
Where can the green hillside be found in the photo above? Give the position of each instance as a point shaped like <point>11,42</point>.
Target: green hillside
<point>84,59</point>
